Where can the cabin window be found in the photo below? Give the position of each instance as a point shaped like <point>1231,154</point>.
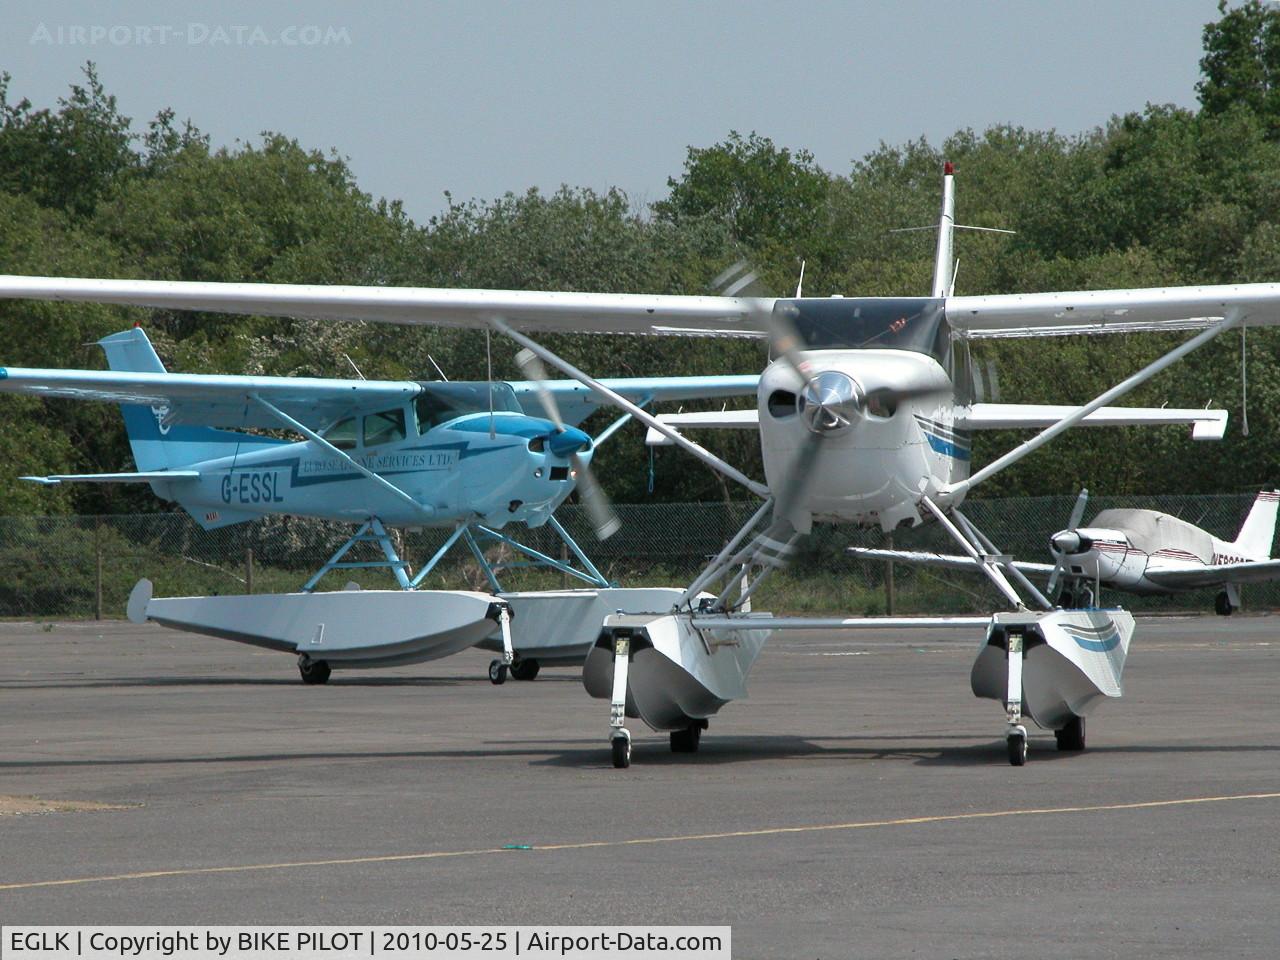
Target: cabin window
<point>441,402</point>
<point>384,427</point>
<point>343,434</point>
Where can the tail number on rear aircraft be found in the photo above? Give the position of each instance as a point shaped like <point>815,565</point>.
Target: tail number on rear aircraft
<point>252,488</point>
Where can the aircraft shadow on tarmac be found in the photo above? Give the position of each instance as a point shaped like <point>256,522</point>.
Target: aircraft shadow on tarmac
<point>924,750</point>
<point>348,680</point>
<point>585,754</point>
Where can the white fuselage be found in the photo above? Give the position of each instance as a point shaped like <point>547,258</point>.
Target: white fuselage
<point>1109,557</point>
<point>873,469</point>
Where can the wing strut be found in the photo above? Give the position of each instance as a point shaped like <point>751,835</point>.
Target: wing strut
<point>310,434</point>
<point>1233,318</point>
<point>650,421</point>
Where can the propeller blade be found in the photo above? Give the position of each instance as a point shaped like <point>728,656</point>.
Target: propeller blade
<point>604,521</point>
<point>799,477</point>
<point>532,368</point>
<point>1059,563</point>
<point>1077,512</point>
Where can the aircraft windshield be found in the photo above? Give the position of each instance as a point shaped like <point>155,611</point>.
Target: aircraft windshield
<point>440,402</point>
<point>871,323</point>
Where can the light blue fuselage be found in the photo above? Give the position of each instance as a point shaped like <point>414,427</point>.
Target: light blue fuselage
<point>453,472</point>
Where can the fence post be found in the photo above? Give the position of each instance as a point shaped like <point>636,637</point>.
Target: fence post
<point>889,593</point>
<point>97,574</point>
<point>248,570</point>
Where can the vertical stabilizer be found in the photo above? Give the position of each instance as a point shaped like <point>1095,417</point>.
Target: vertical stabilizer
<point>130,351</point>
<point>1259,527</point>
<point>157,442</point>
<point>944,260</point>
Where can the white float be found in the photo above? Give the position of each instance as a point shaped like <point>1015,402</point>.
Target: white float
<point>1054,667</point>
<point>346,628</point>
<point>675,676</point>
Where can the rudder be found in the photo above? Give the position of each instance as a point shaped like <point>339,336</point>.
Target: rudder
<point>157,444</point>
<point>1259,527</point>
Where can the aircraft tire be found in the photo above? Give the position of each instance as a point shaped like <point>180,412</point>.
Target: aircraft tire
<point>314,671</point>
<point>1222,604</point>
<point>497,672</point>
<point>525,669</point>
<point>1071,737</point>
<point>621,750</point>
<point>686,740</point>
<point>1017,744</point>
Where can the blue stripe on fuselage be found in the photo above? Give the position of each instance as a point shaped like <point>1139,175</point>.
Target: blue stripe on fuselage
<point>946,447</point>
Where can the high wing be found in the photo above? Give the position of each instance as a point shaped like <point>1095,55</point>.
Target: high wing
<point>1205,424</point>
<point>214,400</point>
<point>1032,314</point>
<point>953,561</point>
<point>223,400</point>
<point>1112,311</point>
<point>534,310</point>
<point>1216,574</point>
<point>576,402</point>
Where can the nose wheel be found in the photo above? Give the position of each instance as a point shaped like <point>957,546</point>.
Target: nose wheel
<point>1017,745</point>
<point>620,746</point>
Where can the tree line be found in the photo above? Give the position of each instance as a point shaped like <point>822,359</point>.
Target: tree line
<point>1164,196</point>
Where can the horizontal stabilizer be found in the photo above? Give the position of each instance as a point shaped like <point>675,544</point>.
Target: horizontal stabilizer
<point>1205,424</point>
<point>146,477</point>
<point>715,420</point>
<point>925,558</point>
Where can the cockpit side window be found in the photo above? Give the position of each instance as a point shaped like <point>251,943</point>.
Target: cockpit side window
<point>343,434</point>
<point>441,402</point>
<point>384,427</point>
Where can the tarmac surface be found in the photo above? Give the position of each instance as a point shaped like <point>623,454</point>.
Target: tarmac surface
<point>859,804</point>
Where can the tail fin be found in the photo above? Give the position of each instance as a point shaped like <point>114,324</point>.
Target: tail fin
<point>944,260</point>
<point>1259,528</point>
<point>156,443</point>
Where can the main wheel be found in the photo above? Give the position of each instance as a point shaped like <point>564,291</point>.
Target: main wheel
<point>525,669</point>
<point>1071,737</point>
<point>686,740</point>
<point>314,671</point>
<point>497,672</point>
<point>1066,600</point>
<point>1222,604</point>
<point>621,747</point>
<point>1017,744</point>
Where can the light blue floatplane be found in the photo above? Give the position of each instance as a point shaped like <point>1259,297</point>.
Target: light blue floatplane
<point>462,456</point>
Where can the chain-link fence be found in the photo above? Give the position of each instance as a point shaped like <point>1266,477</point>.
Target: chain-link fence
<point>86,566</point>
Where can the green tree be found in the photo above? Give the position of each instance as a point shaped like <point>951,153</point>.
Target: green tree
<point>1241,62</point>
<point>70,159</point>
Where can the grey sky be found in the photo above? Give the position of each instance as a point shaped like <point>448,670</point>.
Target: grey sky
<point>481,98</point>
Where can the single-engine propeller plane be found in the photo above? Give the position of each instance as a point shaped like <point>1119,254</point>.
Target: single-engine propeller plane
<point>1139,551</point>
<point>463,456</point>
<point>864,414</point>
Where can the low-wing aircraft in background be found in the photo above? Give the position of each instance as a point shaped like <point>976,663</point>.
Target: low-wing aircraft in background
<point>864,415</point>
<point>1138,551</point>
<point>463,456</point>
